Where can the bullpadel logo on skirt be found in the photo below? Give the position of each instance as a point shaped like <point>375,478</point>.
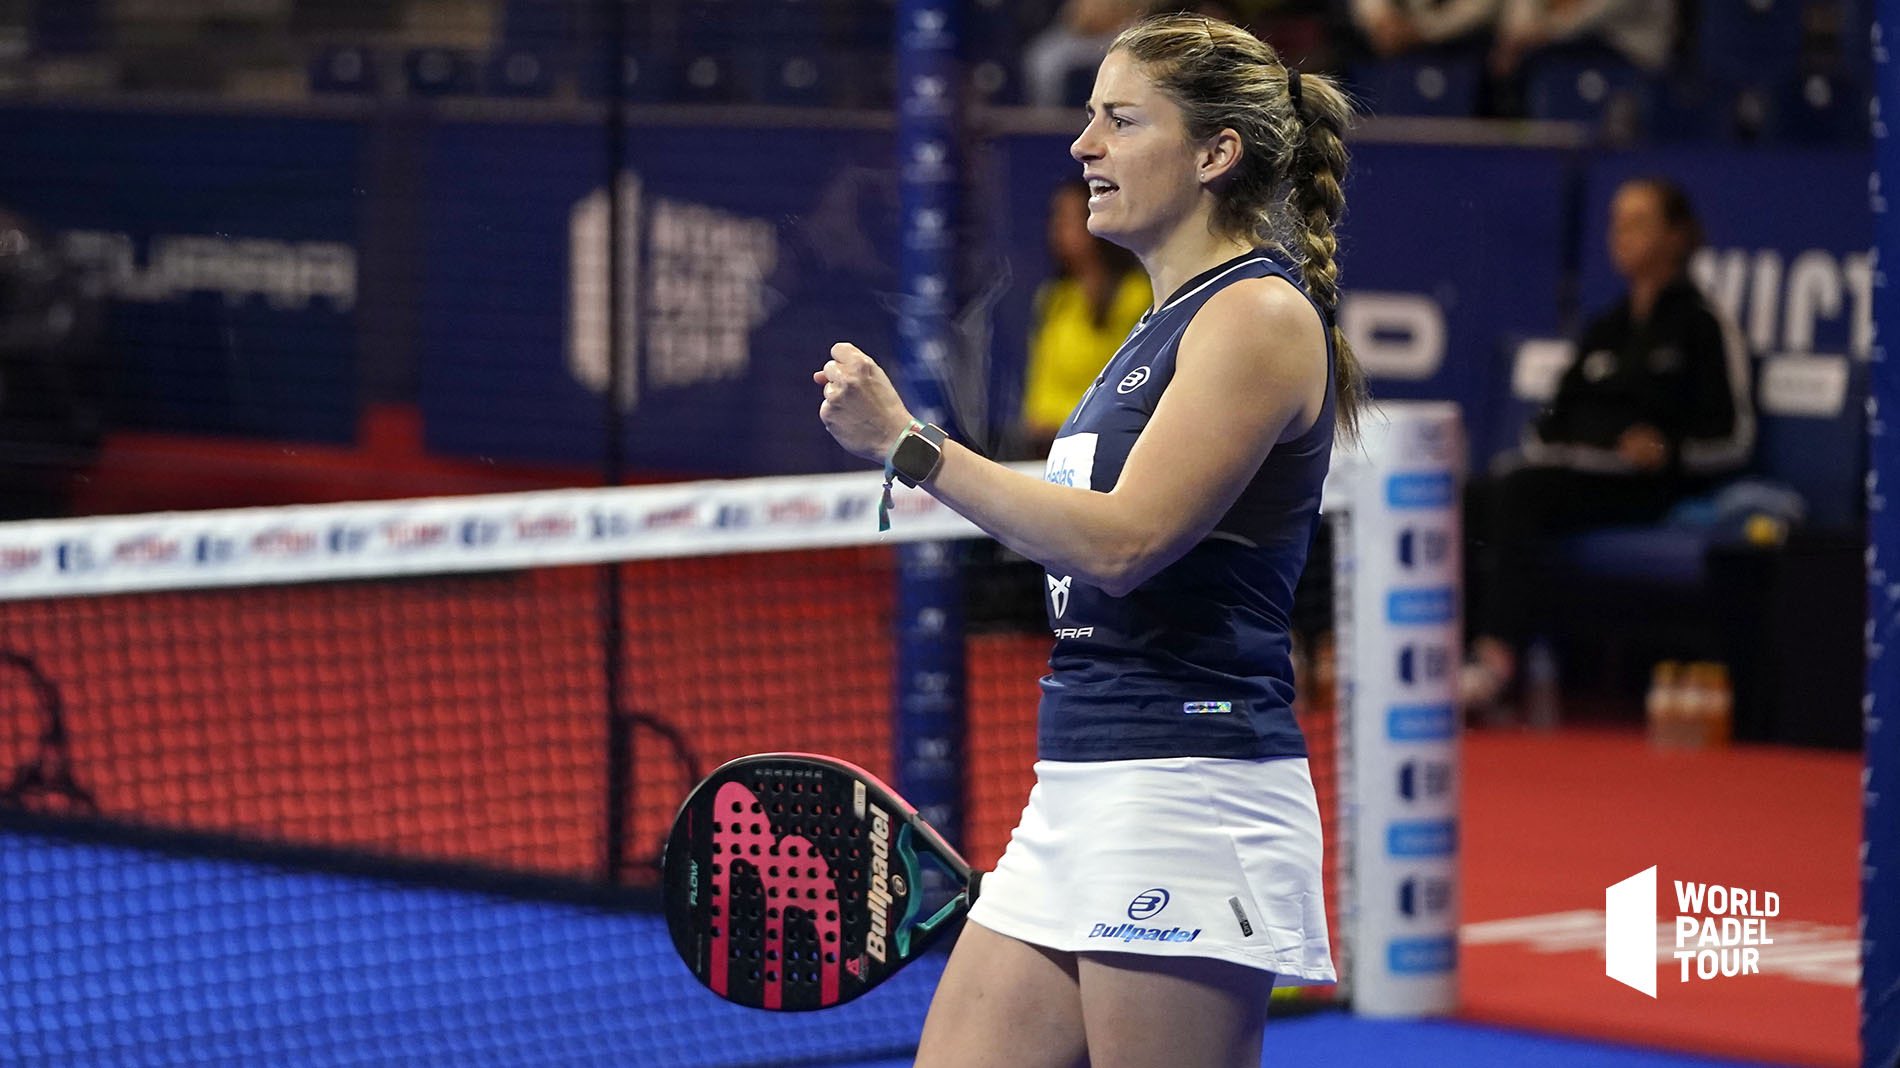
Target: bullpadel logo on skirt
<point>1718,931</point>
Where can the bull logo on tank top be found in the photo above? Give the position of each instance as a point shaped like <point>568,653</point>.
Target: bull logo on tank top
<point>1059,594</point>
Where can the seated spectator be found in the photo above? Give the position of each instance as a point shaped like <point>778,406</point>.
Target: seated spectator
<point>1077,41</point>
<point>1395,27</point>
<point>1654,407</point>
<point>1642,32</point>
<point>1082,315</point>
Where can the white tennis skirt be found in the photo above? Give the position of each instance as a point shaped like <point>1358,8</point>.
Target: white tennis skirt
<point>1179,856</point>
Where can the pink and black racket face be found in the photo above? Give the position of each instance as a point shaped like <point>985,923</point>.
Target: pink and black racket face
<point>791,882</point>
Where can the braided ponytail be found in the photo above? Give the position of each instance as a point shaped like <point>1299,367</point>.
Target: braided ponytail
<point>1315,200</point>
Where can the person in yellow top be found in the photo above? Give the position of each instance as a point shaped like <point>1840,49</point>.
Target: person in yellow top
<point>1083,314</point>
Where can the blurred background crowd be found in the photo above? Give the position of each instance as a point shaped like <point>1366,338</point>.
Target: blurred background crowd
<point>1677,69</point>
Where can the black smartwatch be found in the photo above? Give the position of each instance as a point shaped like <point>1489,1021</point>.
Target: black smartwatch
<point>917,455</point>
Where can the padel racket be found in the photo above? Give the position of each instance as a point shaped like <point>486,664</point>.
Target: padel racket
<point>796,882</point>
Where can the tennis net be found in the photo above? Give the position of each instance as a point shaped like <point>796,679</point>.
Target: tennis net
<point>344,784</point>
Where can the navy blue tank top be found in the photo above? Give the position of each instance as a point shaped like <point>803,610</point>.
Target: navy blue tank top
<point>1197,660</point>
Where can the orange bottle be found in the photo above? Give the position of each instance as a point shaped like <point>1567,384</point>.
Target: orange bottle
<point>1663,706</point>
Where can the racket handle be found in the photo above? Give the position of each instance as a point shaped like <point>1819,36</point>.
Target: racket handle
<point>976,887</point>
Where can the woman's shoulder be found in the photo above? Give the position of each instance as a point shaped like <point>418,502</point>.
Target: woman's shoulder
<point>1234,321</point>
<point>1272,299</point>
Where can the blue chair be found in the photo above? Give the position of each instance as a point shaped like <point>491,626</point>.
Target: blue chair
<point>865,26</point>
<point>796,77</point>
<point>439,72</point>
<point>997,82</point>
<point>866,79</point>
<point>795,24</point>
<point>1855,41</point>
<point>720,26</point>
<point>1435,86</point>
<point>993,42</point>
<point>1812,433</point>
<point>539,24</point>
<point>1820,109</point>
<point>519,72</point>
<point>344,69</point>
<point>1748,41</point>
<point>648,77</point>
<point>1687,109</point>
<point>707,77</point>
<point>1578,89</point>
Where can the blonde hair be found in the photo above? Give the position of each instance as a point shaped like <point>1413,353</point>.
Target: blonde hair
<point>1286,191</point>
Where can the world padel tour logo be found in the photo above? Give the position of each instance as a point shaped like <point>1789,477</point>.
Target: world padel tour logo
<point>699,274</point>
<point>1718,931</point>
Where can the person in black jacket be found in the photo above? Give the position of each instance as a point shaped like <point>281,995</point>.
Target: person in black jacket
<point>1654,407</point>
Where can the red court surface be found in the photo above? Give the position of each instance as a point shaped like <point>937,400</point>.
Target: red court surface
<point>1550,820</point>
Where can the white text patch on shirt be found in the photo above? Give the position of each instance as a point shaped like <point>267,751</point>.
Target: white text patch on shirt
<point>1071,461</point>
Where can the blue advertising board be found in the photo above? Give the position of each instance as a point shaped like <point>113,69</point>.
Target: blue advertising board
<point>225,247</point>
<point>1449,254</point>
<point>748,252</point>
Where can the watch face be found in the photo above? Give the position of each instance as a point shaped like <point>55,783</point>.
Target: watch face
<point>915,457</point>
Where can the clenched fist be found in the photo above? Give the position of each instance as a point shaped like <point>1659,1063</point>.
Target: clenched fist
<point>861,408</point>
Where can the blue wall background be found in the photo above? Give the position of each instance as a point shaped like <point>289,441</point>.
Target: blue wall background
<point>466,291</point>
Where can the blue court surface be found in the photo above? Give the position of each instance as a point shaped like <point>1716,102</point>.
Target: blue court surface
<point>1337,1039</point>
<point>112,956</point>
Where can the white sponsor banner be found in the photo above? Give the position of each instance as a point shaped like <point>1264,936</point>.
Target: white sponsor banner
<point>274,546</point>
<point>1395,335</point>
<point>1803,384</point>
<point>1399,623</point>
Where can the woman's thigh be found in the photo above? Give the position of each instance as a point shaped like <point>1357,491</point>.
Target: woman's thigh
<point>1172,1012</point>
<point>1004,1002</point>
